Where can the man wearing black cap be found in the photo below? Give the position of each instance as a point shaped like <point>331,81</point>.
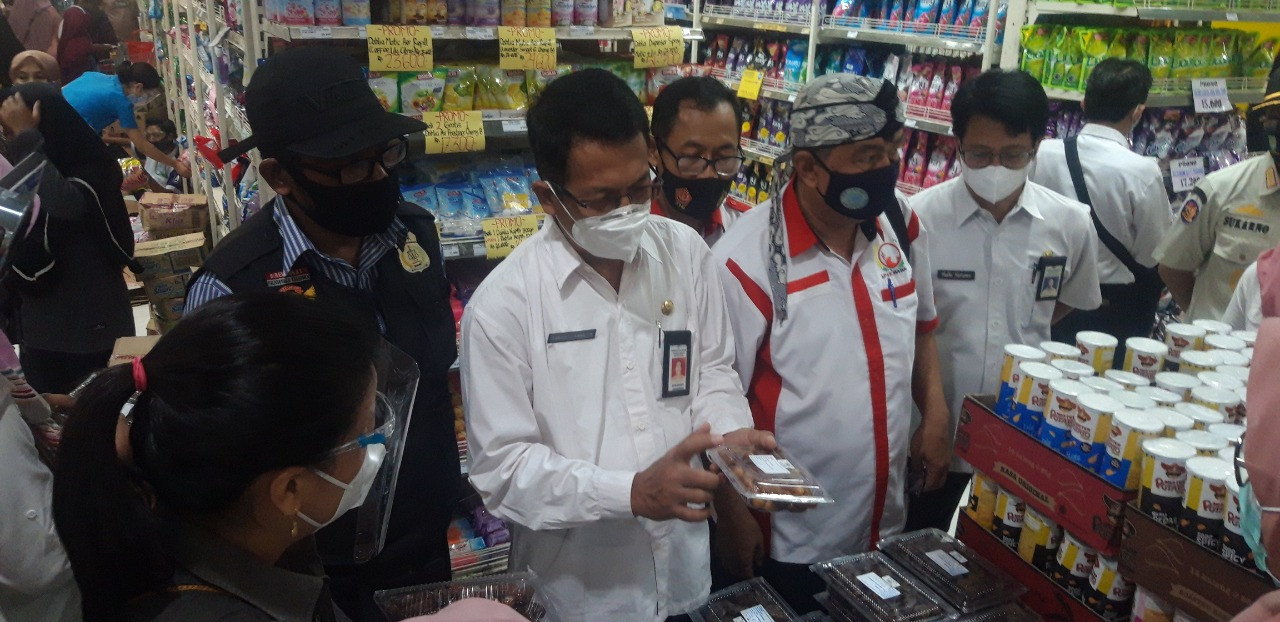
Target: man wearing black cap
<point>339,231</point>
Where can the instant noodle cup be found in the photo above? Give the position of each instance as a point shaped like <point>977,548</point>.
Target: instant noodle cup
<point>1224,401</point>
<point>1234,546</point>
<point>982,501</point>
<point>1039,541</point>
<point>1214,327</point>
<point>1239,372</point>
<point>1224,342</point>
<point>1056,350</point>
<point>1177,382</point>
<point>1197,361</point>
<point>1173,420</point>
<point>1073,564</point>
<point>1128,380</point>
<point>1228,454</point>
<point>1144,357</point>
<point>1109,593</point>
<point>1182,337</point>
<point>1164,479</point>
<point>1098,384</point>
<point>1148,607</point>
<point>1010,511</point>
<point>1249,337</point>
<point>1091,430</point>
<point>1235,358</point>
<point>1206,445</point>
<point>1205,501</point>
<point>1072,369</point>
<point>1033,393</point>
<point>1219,380</point>
<point>1132,401</point>
<point>1232,432</point>
<point>1015,354</point>
<point>1064,405</point>
<point>1098,350</point>
<point>1129,429</point>
<point>1162,398</point>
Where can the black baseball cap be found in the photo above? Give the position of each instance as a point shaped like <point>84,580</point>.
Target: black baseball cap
<point>315,101</point>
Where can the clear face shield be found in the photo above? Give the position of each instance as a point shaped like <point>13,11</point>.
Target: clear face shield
<point>397,387</point>
<point>18,207</point>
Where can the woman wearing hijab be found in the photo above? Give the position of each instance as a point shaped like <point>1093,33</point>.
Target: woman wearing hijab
<point>34,66</point>
<point>81,39</point>
<point>71,315</point>
<point>35,22</point>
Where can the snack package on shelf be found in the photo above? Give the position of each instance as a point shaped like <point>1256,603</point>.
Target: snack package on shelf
<point>425,12</point>
<point>869,586</point>
<point>386,86</point>
<point>464,189</point>
<point>749,600</point>
<point>966,581</point>
<point>769,481</point>
<point>516,590</point>
<point>422,92</point>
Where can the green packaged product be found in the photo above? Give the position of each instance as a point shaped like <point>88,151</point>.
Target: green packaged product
<point>384,85</point>
<point>1219,52</point>
<point>1062,57</point>
<point>536,80</point>
<point>1094,44</point>
<point>1190,56</point>
<point>422,92</point>
<point>1258,63</point>
<point>1119,47</point>
<point>500,89</point>
<point>1160,59</point>
<point>1139,45</point>
<point>1035,50</point>
<point>460,88</point>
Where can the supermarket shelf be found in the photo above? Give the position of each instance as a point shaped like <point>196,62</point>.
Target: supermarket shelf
<point>1081,8</point>
<point>932,36</point>
<point>760,152</point>
<point>1178,92</point>
<point>1268,11</point>
<point>462,248</point>
<point>568,33</point>
<point>772,88</point>
<point>237,123</point>
<point>928,120</point>
<point>773,21</point>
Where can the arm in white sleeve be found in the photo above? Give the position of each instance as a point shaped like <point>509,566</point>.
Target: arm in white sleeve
<point>1150,218</point>
<point>720,400</point>
<point>520,478</point>
<point>1245,301</point>
<point>32,559</point>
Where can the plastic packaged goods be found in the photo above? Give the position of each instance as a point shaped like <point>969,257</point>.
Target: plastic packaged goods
<point>1012,612</point>
<point>460,88</point>
<point>355,13</point>
<point>425,12</point>
<point>586,12</point>
<point>876,589</point>
<point>517,590</point>
<point>422,92</point>
<point>748,600</point>
<point>328,12</point>
<point>387,88</point>
<point>513,12</point>
<point>770,482</point>
<point>966,581</point>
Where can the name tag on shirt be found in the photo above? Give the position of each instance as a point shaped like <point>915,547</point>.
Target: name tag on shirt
<point>675,362</point>
<point>957,275</point>
<point>1047,277</point>
<point>578,335</point>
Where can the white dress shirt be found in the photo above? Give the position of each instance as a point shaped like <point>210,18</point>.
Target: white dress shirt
<point>1127,191</point>
<point>557,431</point>
<point>1244,312</point>
<point>983,277</point>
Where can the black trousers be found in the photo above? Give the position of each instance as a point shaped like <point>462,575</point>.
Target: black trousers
<point>937,508</point>
<point>59,372</point>
<point>1128,310</point>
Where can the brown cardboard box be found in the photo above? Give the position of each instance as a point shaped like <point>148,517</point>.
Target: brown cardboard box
<point>1172,566</point>
<point>159,325</point>
<point>164,212</point>
<point>128,348</point>
<point>167,287</point>
<point>159,258</point>
<point>169,309</point>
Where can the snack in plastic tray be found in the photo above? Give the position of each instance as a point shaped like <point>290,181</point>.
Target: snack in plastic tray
<point>878,590</point>
<point>1012,612</point>
<point>769,481</point>
<point>966,581</point>
<point>517,590</point>
<point>751,600</point>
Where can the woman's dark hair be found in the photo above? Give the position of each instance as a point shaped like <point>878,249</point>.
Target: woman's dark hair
<point>592,105</point>
<point>244,385</point>
<point>1013,99</point>
<point>164,124</point>
<point>143,73</point>
<point>1115,87</point>
<point>704,92</point>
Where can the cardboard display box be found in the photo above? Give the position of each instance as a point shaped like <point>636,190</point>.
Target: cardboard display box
<point>166,287</point>
<point>128,348</point>
<point>1080,501</point>
<point>169,309</point>
<point>1193,578</point>
<point>1043,595</point>
<point>176,255</point>
<point>167,212</point>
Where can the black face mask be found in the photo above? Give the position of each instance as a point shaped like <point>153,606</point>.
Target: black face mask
<point>861,196</point>
<point>165,146</point>
<point>696,198</point>
<point>355,210</point>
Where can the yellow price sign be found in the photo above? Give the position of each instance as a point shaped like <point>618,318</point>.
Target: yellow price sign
<point>526,48</point>
<point>749,88</point>
<point>503,234</point>
<point>454,131</point>
<point>400,48</point>
<point>658,47</point>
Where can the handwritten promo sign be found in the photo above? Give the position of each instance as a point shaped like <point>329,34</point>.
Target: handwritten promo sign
<point>503,235</point>
<point>658,47</point>
<point>454,131</point>
<point>400,48</point>
<point>526,48</point>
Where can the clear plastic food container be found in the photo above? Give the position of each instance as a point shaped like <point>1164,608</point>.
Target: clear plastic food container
<point>750,601</point>
<point>877,589</point>
<point>1012,612</point>
<point>517,590</point>
<point>769,481</point>
<point>968,582</point>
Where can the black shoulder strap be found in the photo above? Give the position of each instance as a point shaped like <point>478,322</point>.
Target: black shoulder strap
<point>1082,194</point>
<point>899,223</point>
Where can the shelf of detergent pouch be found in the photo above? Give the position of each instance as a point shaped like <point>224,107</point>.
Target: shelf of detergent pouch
<point>1077,499</point>
<point>1194,579</point>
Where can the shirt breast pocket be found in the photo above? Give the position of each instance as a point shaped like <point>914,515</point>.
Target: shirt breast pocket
<point>806,287</point>
<point>1239,248</point>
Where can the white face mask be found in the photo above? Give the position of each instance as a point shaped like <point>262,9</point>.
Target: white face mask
<point>353,492</point>
<point>995,182</point>
<point>615,235</point>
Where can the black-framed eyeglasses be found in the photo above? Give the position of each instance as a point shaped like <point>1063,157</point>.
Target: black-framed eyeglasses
<point>642,193</point>
<point>361,170</point>
<point>982,158</point>
<point>694,165</point>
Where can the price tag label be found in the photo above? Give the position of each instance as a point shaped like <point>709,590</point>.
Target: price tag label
<point>518,126</point>
<point>752,80</point>
<point>1210,95</point>
<point>481,33</point>
<point>658,47</point>
<point>503,235</point>
<point>582,31</point>
<point>400,48</point>
<point>450,251</point>
<point>1186,173</point>
<point>477,249</point>
<point>315,32</point>
<point>851,34</point>
<point>1233,17</point>
<point>454,131</point>
<point>439,32</point>
<point>769,26</point>
<point>526,48</point>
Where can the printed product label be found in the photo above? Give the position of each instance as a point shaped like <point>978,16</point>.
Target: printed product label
<point>884,587</point>
<point>1202,511</point>
<point>771,465</point>
<point>947,563</point>
<point>1164,483</point>
<point>754,614</point>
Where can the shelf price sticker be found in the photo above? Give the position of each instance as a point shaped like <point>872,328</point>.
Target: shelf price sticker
<point>749,88</point>
<point>400,48</point>
<point>526,48</point>
<point>658,47</point>
<point>454,131</point>
<point>1186,173</point>
<point>1210,95</point>
<point>315,32</point>
<point>503,234</point>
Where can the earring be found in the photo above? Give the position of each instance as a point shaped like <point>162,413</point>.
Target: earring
<point>294,532</point>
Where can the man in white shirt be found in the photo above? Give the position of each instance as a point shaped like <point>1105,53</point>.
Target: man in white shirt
<point>833,315</point>
<point>1012,257</point>
<point>1128,199</point>
<point>596,369</point>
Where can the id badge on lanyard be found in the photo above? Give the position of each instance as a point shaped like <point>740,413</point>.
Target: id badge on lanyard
<point>1047,277</point>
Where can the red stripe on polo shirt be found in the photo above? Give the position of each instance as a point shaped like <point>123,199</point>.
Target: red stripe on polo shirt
<point>813,280</point>
<point>913,228</point>
<point>879,396</point>
<point>752,290</point>
<point>762,396</point>
<point>900,291</point>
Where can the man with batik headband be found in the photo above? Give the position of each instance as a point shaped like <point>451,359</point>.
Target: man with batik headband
<point>833,329</point>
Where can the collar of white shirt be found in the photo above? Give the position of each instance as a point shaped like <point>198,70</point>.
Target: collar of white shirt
<point>566,260</point>
<point>1105,133</point>
<point>967,207</point>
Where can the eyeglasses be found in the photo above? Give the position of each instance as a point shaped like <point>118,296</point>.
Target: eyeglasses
<point>692,165</point>
<point>642,193</point>
<point>384,428</point>
<point>361,170</point>
<point>982,158</point>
